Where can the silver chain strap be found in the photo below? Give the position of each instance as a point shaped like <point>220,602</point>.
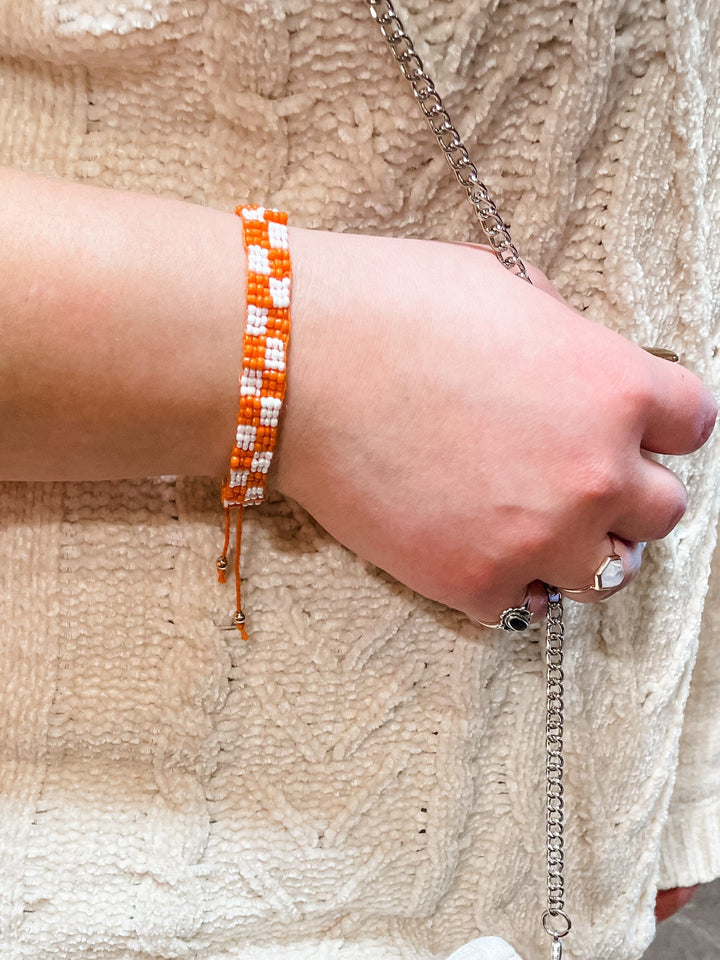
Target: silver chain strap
<point>555,921</point>
<point>451,144</point>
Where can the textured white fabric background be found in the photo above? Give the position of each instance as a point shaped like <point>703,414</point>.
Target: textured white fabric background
<point>363,778</point>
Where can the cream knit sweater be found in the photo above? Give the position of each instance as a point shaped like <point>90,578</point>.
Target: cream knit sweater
<point>363,780</point>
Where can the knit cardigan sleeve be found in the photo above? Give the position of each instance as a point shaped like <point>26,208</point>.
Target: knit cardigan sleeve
<point>690,850</point>
<point>690,847</point>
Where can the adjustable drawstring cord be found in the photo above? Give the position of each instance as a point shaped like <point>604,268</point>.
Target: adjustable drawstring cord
<point>262,378</point>
<point>222,565</point>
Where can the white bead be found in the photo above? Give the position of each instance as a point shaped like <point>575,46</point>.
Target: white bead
<point>280,292</point>
<point>278,235</point>
<point>248,214</point>
<point>245,436</point>
<point>258,261</point>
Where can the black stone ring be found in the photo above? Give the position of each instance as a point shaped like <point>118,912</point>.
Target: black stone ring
<point>513,620</point>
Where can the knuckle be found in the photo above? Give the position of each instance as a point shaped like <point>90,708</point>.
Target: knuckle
<point>539,541</point>
<point>600,484</point>
<point>635,391</point>
<point>675,510</point>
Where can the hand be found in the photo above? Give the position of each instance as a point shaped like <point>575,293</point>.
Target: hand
<point>470,433</point>
<point>669,902</point>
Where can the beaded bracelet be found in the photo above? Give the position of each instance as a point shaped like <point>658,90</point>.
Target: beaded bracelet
<point>263,374</point>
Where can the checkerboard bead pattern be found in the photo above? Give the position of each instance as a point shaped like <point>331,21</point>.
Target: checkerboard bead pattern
<point>262,378</point>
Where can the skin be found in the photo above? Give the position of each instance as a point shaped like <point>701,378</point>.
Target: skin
<point>669,902</point>
<point>505,446</point>
<point>467,432</point>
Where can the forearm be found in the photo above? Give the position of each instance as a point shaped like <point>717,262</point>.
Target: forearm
<point>122,317</point>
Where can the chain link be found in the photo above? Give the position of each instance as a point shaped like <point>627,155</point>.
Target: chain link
<point>451,144</point>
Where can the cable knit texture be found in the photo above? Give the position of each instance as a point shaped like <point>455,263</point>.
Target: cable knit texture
<point>364,778</point>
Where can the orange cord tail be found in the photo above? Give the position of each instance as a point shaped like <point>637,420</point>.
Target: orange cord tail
<point>239,615</point>
<point>222,565</point>
<point>222,559</point>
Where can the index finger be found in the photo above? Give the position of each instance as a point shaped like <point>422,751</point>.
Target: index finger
<point>681,411</point>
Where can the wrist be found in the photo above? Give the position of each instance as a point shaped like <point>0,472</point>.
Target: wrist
<point>331,351</point>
